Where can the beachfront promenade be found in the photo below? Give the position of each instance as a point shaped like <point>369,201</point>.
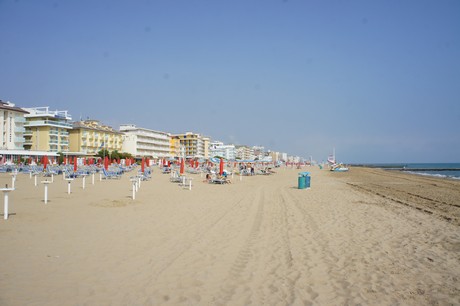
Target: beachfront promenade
<point>363,237</point>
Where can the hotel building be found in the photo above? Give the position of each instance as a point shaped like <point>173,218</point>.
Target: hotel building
<point>245,153</point>
<point>46,130</point>
<point>145,142</point>
<point>193,145</point>
<point>12,126</point>
<point>89,137</point>
<point>217,148</point>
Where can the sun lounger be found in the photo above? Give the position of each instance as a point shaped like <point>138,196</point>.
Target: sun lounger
<point>110,174</point>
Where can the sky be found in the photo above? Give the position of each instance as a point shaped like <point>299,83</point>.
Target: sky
<point>379,81</point>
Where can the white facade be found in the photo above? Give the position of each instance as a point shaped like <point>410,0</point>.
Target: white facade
<point>11,127</point>
<point>145,142</point>
<point>218,148</point>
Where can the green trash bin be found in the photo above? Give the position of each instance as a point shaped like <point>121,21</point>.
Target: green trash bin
<point>303,180</point>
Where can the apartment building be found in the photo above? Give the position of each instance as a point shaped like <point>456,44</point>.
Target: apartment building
<point>217,148</point>
<point>145,142</point>
<point>244,153</point>
<point>46,130</point>
<point>90,136</point>
<point>193,145</point>
<point>11,126</point>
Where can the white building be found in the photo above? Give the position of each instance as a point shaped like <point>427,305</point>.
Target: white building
<point>12,126</point>
<point>145,142</point>
<point>283,156</point>
<point>218,148</point>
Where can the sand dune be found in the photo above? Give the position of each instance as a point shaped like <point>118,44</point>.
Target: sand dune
<point>354,238</point>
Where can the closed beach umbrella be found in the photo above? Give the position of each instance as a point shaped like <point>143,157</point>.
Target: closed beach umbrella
<point>221,166</point>
<point>147,162</point>
<point>106,163</point>
<point>142,165</point>
<point>75,166</point>
<point>45,161</point>
<point>182,166</point>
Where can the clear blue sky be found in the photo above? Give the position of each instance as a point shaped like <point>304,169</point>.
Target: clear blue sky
<point>377,80</point>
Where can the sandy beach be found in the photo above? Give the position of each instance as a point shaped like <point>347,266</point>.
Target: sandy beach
<point>368,237</point>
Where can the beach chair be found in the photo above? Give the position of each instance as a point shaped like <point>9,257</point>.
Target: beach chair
<point>110,174</point>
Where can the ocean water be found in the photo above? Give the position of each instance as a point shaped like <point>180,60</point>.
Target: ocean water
<point>444,170</point>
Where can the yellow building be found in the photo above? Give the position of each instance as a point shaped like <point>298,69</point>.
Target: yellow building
<point>190,144</point>
<point>89,137</point>
<point>174,146</point>
<point>46,130</point>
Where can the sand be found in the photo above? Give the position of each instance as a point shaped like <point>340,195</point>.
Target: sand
<point>367,237</point>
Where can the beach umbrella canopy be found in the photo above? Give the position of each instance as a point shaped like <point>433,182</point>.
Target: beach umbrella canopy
<point>221,166</point>
<point>182,166</point>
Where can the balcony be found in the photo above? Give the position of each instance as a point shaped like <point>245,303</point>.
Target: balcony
<point>19,139</point>
<point>19,129</point>
<point>48,123</point>
<point>20,119</point>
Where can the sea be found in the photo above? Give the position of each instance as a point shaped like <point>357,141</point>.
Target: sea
<point>443,170</point>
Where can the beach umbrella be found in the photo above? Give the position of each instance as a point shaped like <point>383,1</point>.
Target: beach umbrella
<point>221,166</point>
<point>45,161</point>
<point>75,166</point>
<point>142,165</point>
<point>147,162</point>
<point>106,163</point>
<point>182,166</point>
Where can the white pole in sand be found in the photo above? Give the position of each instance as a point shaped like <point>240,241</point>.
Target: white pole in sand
<point>52,178</point>
<point>46,182</point>
<point>92,178</point>
<point>139,178</point>
<point>13,179</point>
<point>30,174</point>
<point>190,184</point>
<point>84,180</point>
<point>100,177</point>
<point>68,185</point>
<point>5,190</point>
<point>35,175</point>
<point>134,188</point>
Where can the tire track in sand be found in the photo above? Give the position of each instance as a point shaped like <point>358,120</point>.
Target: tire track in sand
<point>237,276</point>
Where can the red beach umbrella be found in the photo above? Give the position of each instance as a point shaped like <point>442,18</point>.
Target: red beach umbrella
<point>182,166</point>
<point>75,166</point>
<point>106,163</point>
<point>221,167</point>
<point>142,165</point>
<point>45,162</point>
<point>147,162</point>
